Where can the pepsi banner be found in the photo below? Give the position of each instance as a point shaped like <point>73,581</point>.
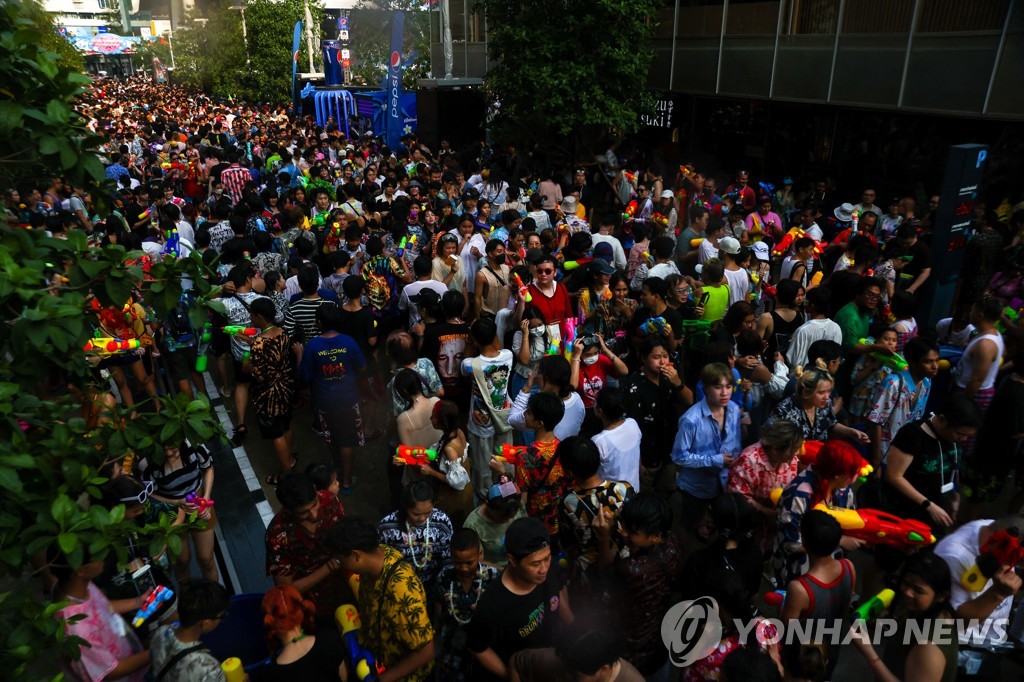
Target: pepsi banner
<point>395,122</point>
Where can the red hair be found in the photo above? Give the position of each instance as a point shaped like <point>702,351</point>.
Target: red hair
<point>836,460</point>
<point>283,610</point>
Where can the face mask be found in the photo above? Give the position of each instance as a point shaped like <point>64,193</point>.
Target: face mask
<point>591,360</point>
<point>499,260</point>
<point>725,209</point>
<point>537,331</point>
<point>218,191</point>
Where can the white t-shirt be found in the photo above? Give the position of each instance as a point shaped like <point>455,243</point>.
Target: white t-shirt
<point>618,255</point>
<point>806,334</point>
<point>739,284</point>
<point>948,337</point>
<point>620,453</point>
<point>496,373</point>
<point>706,251</point>
<point>960,550</point>
<point>411,290</point>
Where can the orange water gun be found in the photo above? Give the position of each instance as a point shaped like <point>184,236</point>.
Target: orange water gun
<point>1003,548</point>
<point>108,346</point>
<point>524,290</point>
<point>880,528</point>
<point>630,177</point>
<point>787,241</point>
<point>510,454</point>
<point>630,211</point>
<point>413,456</point>
<point>659,219</point>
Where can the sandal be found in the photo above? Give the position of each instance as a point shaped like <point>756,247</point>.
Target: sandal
<point>241,431</point>
<point>347,489</point>
<point>274,479</point>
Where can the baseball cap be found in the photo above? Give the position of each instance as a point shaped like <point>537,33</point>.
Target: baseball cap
<point>471,193</point>
<point>526,536</point>
<point>760,250</point>
<point>426,297</point>
<point>729,245</point>
<point>667,194</point>
<point>601,266</point>
<point>502,490</point>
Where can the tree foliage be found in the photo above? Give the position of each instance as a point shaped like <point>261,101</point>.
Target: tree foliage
<point>50,457</point>
<point>38,128</point>
<point>210,53</point>
<point>69,57</point>
<point>575,67</point>
<point>371,40</point>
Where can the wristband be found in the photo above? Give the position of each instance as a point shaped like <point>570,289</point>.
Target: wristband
<point>925,503</point>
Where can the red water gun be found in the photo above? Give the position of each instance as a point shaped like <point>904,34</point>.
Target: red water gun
<point>630,211</point>
<point>880,528</point>
<point>524,291</point>
<point>333,239</point>
<point>108,346</point>
<point>158,596</point>
<point>1003,548</point>
<point>659,219</point>
<point>510,454</point>
<point>570,265</point>
<point>787,241</point>
<point>809,452</point>
<point>413,456</point>
<point>201,503</point>
<point>236,329</point>
<point>630,177</point>
<point>775,598</point>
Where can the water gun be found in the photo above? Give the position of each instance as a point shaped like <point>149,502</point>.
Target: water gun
<point>333,239</point>
<point>885,312</point>
<point>570,338</point>
<point>808,454</point>
<point>630,177</point>
<point>880,528</point>
<point>204,345</point>
<point>894,361</point>
<point>571,265</point>
<point>855,221</point>
<point>695,242</point>
<point>509,453</point>
<point>152,604</point>
<point>198,501</point>
<point>787,241</point>
<point>106,346</point>
<point>775,495</point>
<point>630,211</point>
<point>653,325</point>
<point>524,290</point>
<point>410,455</point>
<point>1010,315</point>
<point>363,662</point>
<point>775,597</point>
<point>816,279</point>
<point>870,609</point>
<point>765,287</point>
<point>401,247</point>
<point>412,243</point>
<point>233,670</point>
<point>173,243</point>
<point>552,347</point>
<point>235,330</point>
<point>648,257</point>
<point>696,326</point>
<point>1003,548</point>
<point>659,219</point>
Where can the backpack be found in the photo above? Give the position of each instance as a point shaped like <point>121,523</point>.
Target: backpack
<point>178,326</point>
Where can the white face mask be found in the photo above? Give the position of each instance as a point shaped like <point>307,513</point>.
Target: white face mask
<point>537,331</point>
<point>591,360</point>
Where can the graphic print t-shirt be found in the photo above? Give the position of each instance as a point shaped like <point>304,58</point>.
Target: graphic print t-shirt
<point>496,371</point>
<point>330,366</point>
<point>508,622</point>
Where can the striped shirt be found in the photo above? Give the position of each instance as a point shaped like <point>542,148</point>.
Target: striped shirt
<point>300,318</point>
<point>175,484</point>
<point>235,178</point>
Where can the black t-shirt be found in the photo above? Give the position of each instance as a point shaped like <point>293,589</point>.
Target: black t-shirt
<point>652,407</point>
<point>922,254</point>
<point>444,343</point>
<point>710,561</point>
<point>320,664</point>
<point>359,325</point>
<point>508,622</point>
<point>217,170</point>
<point>934,464</point>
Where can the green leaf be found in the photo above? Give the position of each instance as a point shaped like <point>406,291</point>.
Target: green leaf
<point>9,480</point>
<point>62,508</point>
<point>48,144</point>
<point>68,542</point>
<point>68,156</point>
<point>10,117</point>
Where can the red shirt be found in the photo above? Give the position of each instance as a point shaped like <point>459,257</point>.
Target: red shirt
<point>844,237</point>
<point>593,378</point>
<point>557,308</point>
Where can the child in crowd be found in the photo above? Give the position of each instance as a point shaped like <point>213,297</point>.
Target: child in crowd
<point>715,296</point>
<point>491,519</point>
<point>618,443</point>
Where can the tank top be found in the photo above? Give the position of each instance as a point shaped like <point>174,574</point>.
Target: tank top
<point>828,600</point>
<point>965,369</point>
<point>782,331</point>
<point>497,293</point>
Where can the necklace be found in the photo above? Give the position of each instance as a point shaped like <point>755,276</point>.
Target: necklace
<point>478,583</point>
<point>301,636</point>
<point>412,547</point>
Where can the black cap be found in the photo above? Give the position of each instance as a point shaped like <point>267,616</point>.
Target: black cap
<point>526,536</point>
<point>425,297</point>
<point>471,193</point>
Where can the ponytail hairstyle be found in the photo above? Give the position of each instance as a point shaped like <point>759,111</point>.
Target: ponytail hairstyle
<point>837,459</point>
<point>283,610</point>
<point>446,413</point>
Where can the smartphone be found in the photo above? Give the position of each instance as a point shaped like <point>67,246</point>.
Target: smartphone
<point>143,580</point>
<point>704,298</point>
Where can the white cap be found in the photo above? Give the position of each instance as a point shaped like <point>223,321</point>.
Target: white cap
<point>760,250</point>
<point>729,245</point>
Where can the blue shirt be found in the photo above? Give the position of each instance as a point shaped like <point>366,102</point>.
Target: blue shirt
<point>329,365</point>
<point>699,446</point>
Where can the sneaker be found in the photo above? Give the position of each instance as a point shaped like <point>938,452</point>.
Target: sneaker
<point>225,392</point>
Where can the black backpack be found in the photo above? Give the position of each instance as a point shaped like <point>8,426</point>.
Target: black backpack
<point>178,325</point>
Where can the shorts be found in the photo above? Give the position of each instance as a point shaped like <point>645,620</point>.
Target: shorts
<point>344,427</point>
<point>241,377</point>
<point>977,486</point>
<point>125,360</point>
<point>274,427</point>
<point>181,362</point>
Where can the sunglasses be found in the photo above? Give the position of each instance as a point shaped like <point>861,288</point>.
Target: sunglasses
<point>545,271</point>
<point>142,496</point>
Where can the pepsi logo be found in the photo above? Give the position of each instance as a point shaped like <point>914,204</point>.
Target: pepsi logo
<point>396,59</point>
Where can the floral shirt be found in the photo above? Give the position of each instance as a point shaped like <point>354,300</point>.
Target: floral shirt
<point>541,477</point>
<point>454,661</point>
<point>110,637</point>
<point>395,617</point>
<point>787,560</point>
<point>292,552</point>
<point>649,578</point>
<point>790,410</point>
<point>710,667</point>
<point>427,548</point>
<point>579,509</point>
<point>754,477</point>
<point>864,392</point>
<point>897,402</point>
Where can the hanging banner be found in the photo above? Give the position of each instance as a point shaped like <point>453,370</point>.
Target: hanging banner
<point>107,43</point>
<point>395,121</point>
<point>159,71</point>
<point>296,38</point>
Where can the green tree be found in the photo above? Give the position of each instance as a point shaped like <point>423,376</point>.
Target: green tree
<point>209,52</point>
<point>568,73</point>
<point>269,26</point>
<point>44,22</point>
<point>50,457</point>
<point>371,40</point>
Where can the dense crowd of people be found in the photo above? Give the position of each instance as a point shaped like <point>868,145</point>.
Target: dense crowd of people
<point>601,389</point>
